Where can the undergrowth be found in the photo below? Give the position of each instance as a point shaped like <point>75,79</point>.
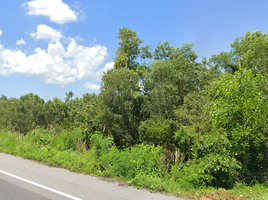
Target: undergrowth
<point>141,166</point>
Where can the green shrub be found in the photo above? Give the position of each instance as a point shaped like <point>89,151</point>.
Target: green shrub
<point>219,170</point>
<point>40,136</point>
<point>74,140</point>
<point>239,111</point>
<point>141,159</point>
<point>99,144</point>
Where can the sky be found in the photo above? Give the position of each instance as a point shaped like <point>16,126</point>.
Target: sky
<point>50,47</point>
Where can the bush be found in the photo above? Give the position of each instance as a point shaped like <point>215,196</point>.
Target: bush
<point>239,111</point>
<point>100,145</point>
<point>218,170</point>
<point>74,140</point>
<point>130,162</point>
<point>40,136</point>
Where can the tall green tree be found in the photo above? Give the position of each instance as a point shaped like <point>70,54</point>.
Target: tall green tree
<point>163,51</point>
<point>172,76</point>
<point>122,100</point>
<point>129,50</point>
<point>247,52</point>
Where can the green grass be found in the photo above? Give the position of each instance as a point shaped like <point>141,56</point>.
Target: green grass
<point>137,166</point>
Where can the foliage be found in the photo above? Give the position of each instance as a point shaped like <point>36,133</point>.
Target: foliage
<point>122,100</point>
<point>164,51</point>
<point>30,111</point>
<point>147,171</point>
<point>239,110</point>
<point>223,137</point>
<point>158,132</point>
<point>173,75</point>
<point>141,159</point>
<point>193,122</point>
<point>22,114</point>
<point>167,124</point>
<point>212,164</point>
<point>74,140</point>
<point>248,52</point>
<point>129,50</point>
<point>100,145</point>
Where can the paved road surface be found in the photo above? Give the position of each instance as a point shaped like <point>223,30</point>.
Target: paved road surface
<point>9,191</point>
<point>27,180</point>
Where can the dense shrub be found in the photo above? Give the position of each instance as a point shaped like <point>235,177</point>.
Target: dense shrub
<point>129,162</point>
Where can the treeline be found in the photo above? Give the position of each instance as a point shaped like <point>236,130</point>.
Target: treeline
<point>210,118</point>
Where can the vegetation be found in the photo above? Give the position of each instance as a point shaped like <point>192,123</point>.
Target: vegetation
<point>162,121</point>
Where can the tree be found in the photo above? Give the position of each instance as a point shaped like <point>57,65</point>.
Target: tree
<point>122,100</point>
<point>129,50</point>
<point>239,112</point>
<point>3,98</point>
<point>24,114</point>
<point>163,51</point>
<point>173,75</point>
<point>248,52</point>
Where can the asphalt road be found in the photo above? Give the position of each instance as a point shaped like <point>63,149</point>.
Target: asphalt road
<point>9,191</point>
<point>27,180</point>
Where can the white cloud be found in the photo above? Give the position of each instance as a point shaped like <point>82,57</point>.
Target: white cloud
<point>99,73</point>
<point>92,86</point>
<point>57,64</point>
<point>108,66</point>
<point>20,42</point>
<point>55,10</point>
<point>1,32</point>
<point>47,33</point>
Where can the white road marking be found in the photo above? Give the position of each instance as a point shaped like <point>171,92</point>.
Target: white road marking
<point>41,186</point>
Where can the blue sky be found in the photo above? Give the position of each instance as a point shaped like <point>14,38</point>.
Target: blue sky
<point>49,47</point>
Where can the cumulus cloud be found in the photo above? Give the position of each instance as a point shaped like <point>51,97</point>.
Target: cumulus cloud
<point>46,33</point>
<point>55,10</point>
<point>92,86</point>
<point>1,32</point>
<point>56,64</point>
<point>20,42</point>
<point>98,75</point>
<point>108,66</point>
